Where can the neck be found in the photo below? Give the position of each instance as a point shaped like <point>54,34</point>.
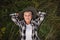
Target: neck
<point>27,23</point>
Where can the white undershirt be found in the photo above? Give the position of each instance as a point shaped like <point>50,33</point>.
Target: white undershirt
<point>28,32</point>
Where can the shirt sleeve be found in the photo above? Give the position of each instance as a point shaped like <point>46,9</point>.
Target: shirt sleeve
<point>15,20</point>
<point>40,18</point>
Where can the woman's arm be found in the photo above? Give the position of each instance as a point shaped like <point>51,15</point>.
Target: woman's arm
<point>15,19</point>
<point>40,18</point>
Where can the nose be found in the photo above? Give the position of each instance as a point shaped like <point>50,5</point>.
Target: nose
<point>27,16</point>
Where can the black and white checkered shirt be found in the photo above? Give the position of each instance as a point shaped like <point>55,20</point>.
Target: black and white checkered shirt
<point>22,26</point>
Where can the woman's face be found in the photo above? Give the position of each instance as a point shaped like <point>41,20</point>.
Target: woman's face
<point>27,16</point>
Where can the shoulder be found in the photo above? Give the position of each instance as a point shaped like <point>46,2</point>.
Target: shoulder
<point>33,22</point>
<point>22,22</point>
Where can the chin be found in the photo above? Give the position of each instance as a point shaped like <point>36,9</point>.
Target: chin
<point>28,20</point>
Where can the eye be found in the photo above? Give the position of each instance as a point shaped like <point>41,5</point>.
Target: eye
<point>28,15</point>
<point>25,15</point>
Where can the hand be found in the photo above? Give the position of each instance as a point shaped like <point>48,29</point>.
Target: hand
<point>41,13</point>
<point>14,14</point>
<point>17,14</point>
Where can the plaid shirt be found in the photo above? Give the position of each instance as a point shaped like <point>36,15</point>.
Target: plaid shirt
<point>22,26</point>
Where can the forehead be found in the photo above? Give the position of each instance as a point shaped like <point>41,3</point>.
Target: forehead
<point>28,12</point>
